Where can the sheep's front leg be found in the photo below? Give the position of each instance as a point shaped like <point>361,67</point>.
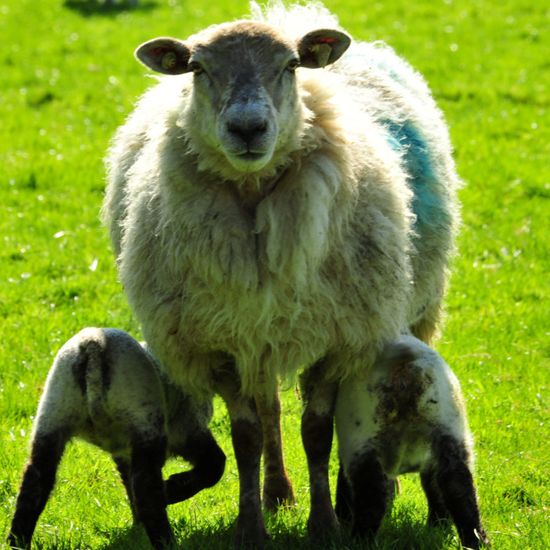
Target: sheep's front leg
<point>317,431</point>
<point>456,484</point>
<point>37,484</point>
<point>277,486</point>
<point>246,433</point>
<point>147,488</point>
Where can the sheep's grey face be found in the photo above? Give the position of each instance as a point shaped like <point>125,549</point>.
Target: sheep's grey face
<point>245,99</point>
<point>244,92</point>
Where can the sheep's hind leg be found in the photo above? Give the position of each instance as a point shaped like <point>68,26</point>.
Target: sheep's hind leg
<point>425,328</point>
<point>457,488</point>
<point>317,432</point>
<point>208,461</point>
<point>246,433</point>
<point>147,488</point>
<point>37,484</point>
<point>277,486</point>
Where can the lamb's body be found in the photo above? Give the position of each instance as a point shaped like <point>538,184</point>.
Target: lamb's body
<point>406,414</point>
<point>321,255</point>
<point>106,389</point>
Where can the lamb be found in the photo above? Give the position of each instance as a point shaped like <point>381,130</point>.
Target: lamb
<point>106,388</point>
<point>406,414</point>
<point>282,203</point>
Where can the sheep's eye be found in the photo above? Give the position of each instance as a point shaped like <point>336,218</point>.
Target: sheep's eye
<point>293,64</point>
<point>195,68</point>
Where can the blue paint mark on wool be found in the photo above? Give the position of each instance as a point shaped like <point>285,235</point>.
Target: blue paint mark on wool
<point>427,204</point>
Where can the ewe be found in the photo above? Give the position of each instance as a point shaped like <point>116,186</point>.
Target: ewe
<point>105,388</point>
<point>270,214</point>
<point>406,414</point>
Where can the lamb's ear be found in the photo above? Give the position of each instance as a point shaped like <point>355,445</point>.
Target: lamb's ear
<point>322,47</point>
<point>164,55</point>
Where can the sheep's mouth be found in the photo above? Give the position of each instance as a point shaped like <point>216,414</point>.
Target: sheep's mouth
<point>251,156</point>
<point>247,161</point>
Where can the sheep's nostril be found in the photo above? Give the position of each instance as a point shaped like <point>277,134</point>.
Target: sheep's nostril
<point>247,131</point>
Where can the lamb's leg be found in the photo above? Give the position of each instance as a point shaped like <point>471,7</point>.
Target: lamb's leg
<point>246,433</point>
<point>123,467</point>
<point>317,431</point>
<point>37,484</point>
<point>147,487</point>
<point>456,484</point>
<point>277,487</point>
<point>344,498</point>
<point>208,461</point>
<point>371,491</point>
<point>437,512</point>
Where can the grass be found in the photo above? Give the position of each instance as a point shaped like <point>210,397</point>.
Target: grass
<point>67,81</point>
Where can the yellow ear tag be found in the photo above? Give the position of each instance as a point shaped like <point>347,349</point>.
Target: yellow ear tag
<point>322,52</point>
<point>169,60</point>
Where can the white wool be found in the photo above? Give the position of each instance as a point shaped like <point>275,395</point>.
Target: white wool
<point>326,263</point>
<point>295,19</point>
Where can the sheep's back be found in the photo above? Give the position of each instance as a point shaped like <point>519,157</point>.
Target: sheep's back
<point>399,100</point>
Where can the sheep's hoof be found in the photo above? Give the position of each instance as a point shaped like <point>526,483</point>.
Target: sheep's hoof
<point>323,524</point>
<point>250,533</point>
<point>278,493</point>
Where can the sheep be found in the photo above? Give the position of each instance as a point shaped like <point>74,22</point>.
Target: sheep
<point>105,388</point>
<point>281,203</point>
<point>406,414</point>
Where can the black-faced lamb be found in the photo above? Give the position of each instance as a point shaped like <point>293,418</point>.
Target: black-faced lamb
<point>106,388</point>
<point>282,201</point>
<point>406,414</point>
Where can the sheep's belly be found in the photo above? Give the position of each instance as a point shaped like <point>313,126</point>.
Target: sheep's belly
<point>281,330</point>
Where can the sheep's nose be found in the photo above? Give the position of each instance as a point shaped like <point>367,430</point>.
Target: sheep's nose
<point>247,130</point>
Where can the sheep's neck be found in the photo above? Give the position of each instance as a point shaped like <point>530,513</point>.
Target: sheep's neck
<point>250,194</point>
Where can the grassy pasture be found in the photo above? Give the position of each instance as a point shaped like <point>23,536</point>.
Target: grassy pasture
<point>67,80</point>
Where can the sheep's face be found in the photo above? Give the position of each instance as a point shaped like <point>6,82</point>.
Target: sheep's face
<point>245,100</point>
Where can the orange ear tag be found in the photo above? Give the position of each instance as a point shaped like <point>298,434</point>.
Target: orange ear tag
<point>169,60</point>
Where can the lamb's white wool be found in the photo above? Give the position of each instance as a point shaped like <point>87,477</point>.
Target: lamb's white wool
<point>406,414</point>
<point>107,389</point>
<point>335,242</point>
<point>396,407</point>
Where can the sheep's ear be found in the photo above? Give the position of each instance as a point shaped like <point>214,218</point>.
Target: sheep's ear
<point>164,55</point>
<point>322,47</point>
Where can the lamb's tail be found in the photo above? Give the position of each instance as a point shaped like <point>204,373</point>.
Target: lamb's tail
<point>93,347</point>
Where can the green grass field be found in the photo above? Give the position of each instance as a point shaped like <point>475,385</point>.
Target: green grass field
<point>68,79</point>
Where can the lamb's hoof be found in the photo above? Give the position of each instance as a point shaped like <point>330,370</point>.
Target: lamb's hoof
<point>323,525</point>
<point>250,534</point>
<point>14,541</point>
<point>476,540</point>
<point>278,493</point>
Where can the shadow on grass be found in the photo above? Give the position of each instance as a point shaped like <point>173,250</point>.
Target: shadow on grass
<point>403,534</point>
<point>90,8</point>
